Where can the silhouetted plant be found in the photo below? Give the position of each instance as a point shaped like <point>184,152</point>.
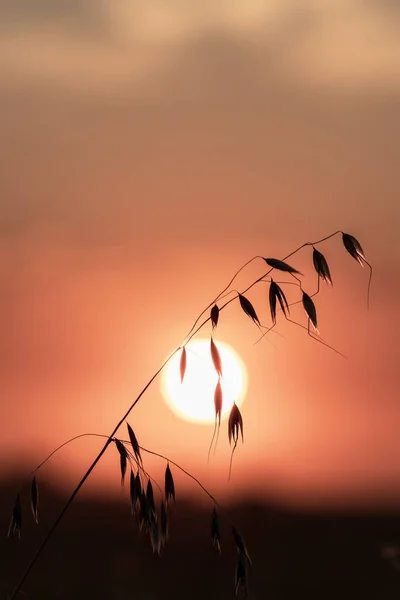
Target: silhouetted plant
<point>152,514</point>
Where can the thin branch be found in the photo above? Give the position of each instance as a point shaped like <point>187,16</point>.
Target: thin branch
<point>221,294</point>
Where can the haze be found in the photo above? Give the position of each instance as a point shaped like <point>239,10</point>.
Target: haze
<point>150,149</point>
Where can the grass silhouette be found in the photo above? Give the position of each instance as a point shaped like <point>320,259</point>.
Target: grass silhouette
<point>155,521</point>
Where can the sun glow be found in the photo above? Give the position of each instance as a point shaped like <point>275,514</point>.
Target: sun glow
<point>193,399</point>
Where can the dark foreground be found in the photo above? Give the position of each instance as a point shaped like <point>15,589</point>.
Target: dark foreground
<point>98,553</point>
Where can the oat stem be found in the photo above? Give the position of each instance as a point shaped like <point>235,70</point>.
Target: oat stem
<point>196,327</point>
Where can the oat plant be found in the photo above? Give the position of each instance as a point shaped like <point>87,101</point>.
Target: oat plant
<point>151,502</point>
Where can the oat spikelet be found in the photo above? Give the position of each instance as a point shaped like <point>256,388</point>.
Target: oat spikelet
<point>240,545</point>
<point>143,514</point>
<point>248,308</point>
<point>163,525</point>
<point>280,265</point>
<point>214,316</point>
<point>241,575</point>
<point>133,492</point>
<point>34,499</point>
<point>182,364</point>
<point>353,247</point>
<point>218,401</point>
<point>321,266</point>
<point>150,499</point>
<point>138,486</point>
<point>309,307</point>
<point>169,485</point>
<point>218,411</point>
<point>275,292</point>
<point>135,444</point>
<point>355,250</point>
<point>235,424</point>
<point>155,535</point>
<point>15,526</point>
<point>216,358</point>
<point>123,456</point>
<point>215,531</point>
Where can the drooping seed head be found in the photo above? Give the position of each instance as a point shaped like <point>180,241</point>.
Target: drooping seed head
<point>280,265</point>
<point>248,308</point>
<point>34,499</point>
<point>150,498</point>
<point>240,544</point>
<point>123,456</point>
<point>241,575</point>
<point>169,484</point>
<point>182,363</point>
<point>215,531</point>
<point>135,444</point>
<point>216,358</point>
<point>321,266</point>
<point>235,424</point>
<point>15,526</point>
<point>275,292</point>
<point>309,307</point>
<point>214,316</point>
<point>163,525</point>
<point>353,247</point>
<point>218,400</point>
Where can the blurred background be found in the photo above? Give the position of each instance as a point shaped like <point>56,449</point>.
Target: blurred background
<point>148,150</point>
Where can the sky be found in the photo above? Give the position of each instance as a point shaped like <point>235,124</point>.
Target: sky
<point>148,151</point>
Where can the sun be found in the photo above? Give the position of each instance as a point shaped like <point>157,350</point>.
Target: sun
<point>193,399</point>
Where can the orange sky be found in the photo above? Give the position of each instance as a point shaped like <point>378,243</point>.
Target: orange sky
<point>147,153</point>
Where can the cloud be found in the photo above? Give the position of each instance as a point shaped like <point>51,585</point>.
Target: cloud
<point>120,48</point>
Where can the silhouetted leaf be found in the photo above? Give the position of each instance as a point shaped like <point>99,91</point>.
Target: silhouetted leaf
<point>216,358</point>
<point>215,531</point>
<point>321,266</point>
<point>214,316</point>
<point>353,247</point>
<point>134,442</point>
<point>123,455</point>
<point>276,292</point>
<point>235,424</point>
<point>218,400</point>
<point>182,364</point>
<point>280,265</point>
<point>169,484</point>
<point>34,499</point>
<point>248,308</point>
<point>309,307</point>
<point>15,526</point>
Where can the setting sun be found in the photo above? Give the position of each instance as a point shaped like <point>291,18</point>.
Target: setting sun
<point>193,399</point>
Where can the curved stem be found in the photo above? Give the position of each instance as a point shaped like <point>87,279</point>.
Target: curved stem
<point>222,292</point>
